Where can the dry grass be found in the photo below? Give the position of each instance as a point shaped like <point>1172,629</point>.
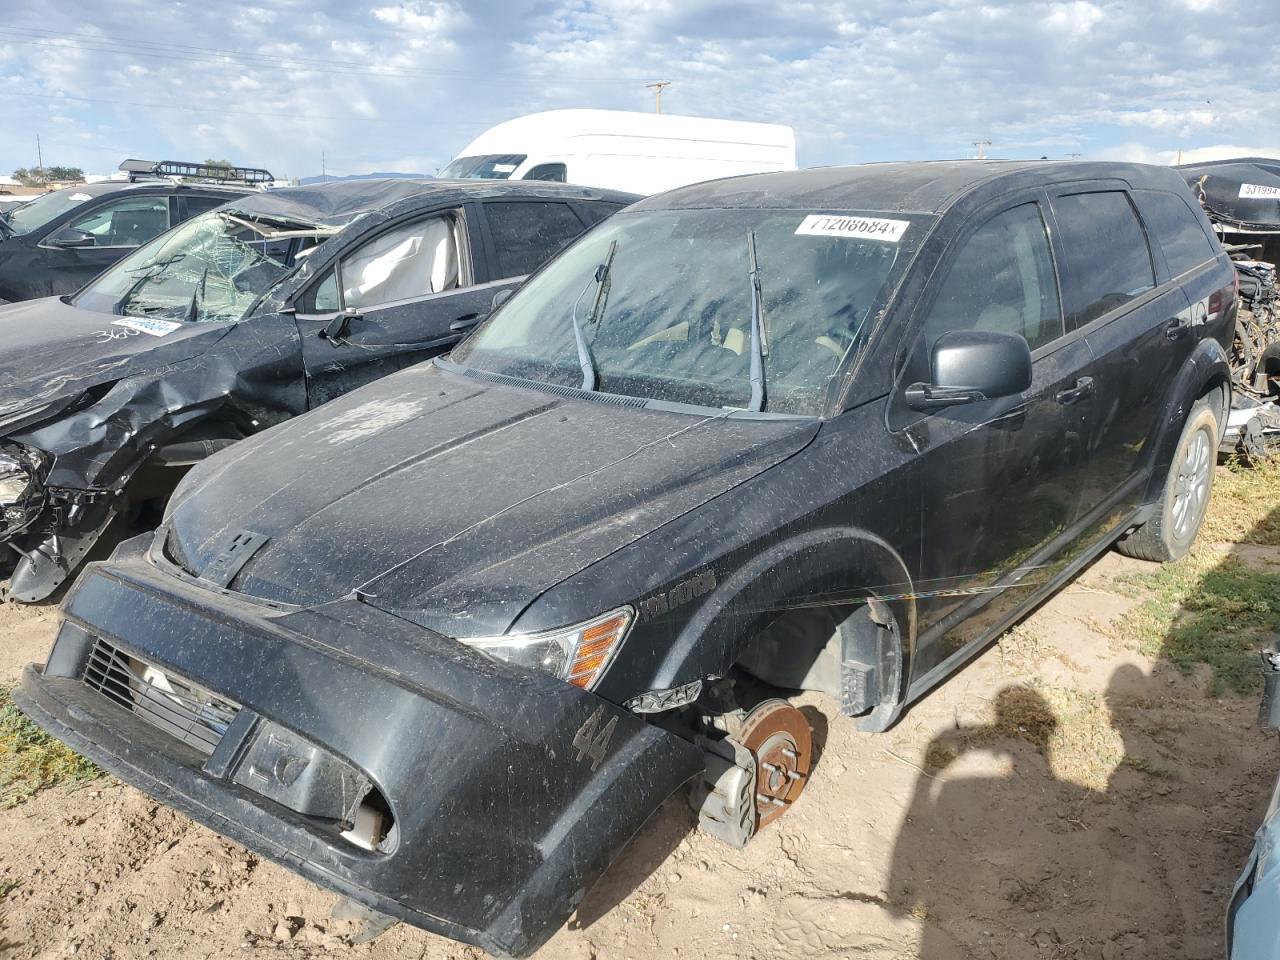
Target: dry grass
<point>1245,507</point>
<point>31,760</point>
<point>1072,728</point>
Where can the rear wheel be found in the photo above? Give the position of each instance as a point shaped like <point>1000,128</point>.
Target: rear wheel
<point>1172,529</point>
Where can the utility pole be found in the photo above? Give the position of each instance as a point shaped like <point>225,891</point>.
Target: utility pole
<point>982,148</point>
<point>324,174</point>
<point>39,156</point>
<point>657,93</point>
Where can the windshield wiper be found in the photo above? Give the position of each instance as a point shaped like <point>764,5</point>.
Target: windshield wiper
<point>601,277</point>
<point>604,281</point>
<point>759,343</point>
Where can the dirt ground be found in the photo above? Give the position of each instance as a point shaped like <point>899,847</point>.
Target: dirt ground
<point>1071,794</point>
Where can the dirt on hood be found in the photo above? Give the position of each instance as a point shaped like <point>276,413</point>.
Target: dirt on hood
<point>1066,796</point>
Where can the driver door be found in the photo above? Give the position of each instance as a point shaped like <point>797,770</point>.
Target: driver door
<point>108,232</point>
<point>403,295</point>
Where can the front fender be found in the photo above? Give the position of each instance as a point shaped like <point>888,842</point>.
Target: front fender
<point>826,567</point>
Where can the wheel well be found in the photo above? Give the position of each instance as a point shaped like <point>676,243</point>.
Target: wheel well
<point>851,652</point>
<point>1218,393</point>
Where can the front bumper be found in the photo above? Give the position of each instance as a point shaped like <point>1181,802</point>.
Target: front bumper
<point>509,798</point>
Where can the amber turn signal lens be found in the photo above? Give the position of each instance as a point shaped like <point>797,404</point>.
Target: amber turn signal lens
<point>595,648</point>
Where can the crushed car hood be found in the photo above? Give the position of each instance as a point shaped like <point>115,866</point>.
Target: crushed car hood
<point>50,350</point>
<point>453,501</point>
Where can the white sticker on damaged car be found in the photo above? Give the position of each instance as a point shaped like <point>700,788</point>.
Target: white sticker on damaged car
<point>157,328</point>
<point>1256,190</point>
<point>864,228</point>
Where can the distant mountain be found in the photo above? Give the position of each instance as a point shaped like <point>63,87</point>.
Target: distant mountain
<point>369,176</point>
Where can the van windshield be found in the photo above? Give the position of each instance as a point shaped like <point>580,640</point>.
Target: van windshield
<point>495,166</point>
<point>664,303</point>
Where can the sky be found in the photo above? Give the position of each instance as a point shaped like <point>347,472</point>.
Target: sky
<point>386,86</point>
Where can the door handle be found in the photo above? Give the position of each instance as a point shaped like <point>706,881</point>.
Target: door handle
<point>1083,388</point>
<point>463,324</point>
<point>1177,327</point>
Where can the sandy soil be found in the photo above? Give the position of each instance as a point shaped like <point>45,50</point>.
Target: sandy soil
<point>948,837</point>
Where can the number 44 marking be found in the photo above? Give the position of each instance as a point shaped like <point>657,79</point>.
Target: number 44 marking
<point>592,739</point>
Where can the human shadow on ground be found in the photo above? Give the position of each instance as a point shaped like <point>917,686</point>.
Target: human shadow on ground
<point>1018,843</point>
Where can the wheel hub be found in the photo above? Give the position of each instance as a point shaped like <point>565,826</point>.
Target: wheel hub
<point>780,741</point>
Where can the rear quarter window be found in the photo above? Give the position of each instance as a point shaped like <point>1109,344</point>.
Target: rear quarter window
<point>1175,226</point>
<point>526,233</point>
<point>1105,249</point>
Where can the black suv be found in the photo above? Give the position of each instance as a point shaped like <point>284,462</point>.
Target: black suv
<point>58,241</point>
<point>444,645</point>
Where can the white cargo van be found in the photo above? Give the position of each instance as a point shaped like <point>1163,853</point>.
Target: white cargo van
<point>618,149</point>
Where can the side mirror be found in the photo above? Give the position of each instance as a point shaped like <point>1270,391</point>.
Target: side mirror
<point>970,365</point>
<point>68,238</point>
<point>336,330</point>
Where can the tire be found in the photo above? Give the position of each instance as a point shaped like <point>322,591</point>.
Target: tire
<point>1172,529</point>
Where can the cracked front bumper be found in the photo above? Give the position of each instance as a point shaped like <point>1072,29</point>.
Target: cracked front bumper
<point>505,818</point>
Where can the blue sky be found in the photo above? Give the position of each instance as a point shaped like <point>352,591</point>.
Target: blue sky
<point>403,86</point>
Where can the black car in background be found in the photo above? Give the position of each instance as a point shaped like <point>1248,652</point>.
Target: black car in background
<point>58,241</point>
<point>238,319</point>
<point>446,643</point>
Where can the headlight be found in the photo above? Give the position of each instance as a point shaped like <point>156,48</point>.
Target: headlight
<point>15,480</point>
<point>20,494</point>
<point>578,653</point>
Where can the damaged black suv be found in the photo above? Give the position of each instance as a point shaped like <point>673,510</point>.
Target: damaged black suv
<point>444,645</point>
<point>234,321</point>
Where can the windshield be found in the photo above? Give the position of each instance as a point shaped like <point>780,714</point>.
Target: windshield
<point>497,166</point>
<point>664,303</point>
<point>38,211</point>
<point>213,267</point>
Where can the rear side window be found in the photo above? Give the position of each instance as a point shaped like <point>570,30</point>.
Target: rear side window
<point>191,206</point>
<point>1176,228</point>
<point>1001,280</point>
<point>595,211</point>
<point>1108,263</point>
<point>526,233</point>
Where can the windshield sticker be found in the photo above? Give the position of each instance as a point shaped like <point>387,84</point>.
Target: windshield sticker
<point>864,228</point>
<point>1256,190</point>
<point>157,328</point>
<point>81,197</point>
<point>504,168</point>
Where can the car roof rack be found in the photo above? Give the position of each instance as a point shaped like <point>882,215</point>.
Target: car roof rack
<point>182,170</point>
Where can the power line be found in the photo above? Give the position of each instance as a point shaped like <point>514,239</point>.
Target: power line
<point>102,43</point>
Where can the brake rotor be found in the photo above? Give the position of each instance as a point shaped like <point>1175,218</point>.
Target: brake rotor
<point>781,742</point>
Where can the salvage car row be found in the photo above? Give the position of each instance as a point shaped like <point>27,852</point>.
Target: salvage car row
<point>827,430</point>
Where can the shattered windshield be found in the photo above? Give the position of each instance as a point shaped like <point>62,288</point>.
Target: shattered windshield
<point>662,305</point>
<point>498,166</point>
<point>35,213</point>
<point>213,267</point>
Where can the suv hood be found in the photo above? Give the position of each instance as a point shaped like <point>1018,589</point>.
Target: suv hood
<point>50,350</point>
<point>453,501</point>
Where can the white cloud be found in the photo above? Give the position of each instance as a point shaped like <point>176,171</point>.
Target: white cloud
<point>378,84</point>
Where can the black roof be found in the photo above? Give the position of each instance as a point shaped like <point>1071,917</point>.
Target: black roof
<point>927,186</point>
<point>103,187</point>
<point>341,201</point>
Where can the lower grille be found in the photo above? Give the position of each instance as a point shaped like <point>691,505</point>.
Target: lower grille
<point>183,709</point>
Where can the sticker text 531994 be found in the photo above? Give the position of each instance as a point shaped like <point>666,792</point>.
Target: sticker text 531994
<point>864,228</point>
<point>1259,191</point>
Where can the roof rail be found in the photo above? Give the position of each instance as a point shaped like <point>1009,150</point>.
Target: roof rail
<point>182,170</point>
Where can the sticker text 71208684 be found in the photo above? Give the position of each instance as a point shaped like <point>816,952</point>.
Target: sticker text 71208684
<point>863,228</point>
